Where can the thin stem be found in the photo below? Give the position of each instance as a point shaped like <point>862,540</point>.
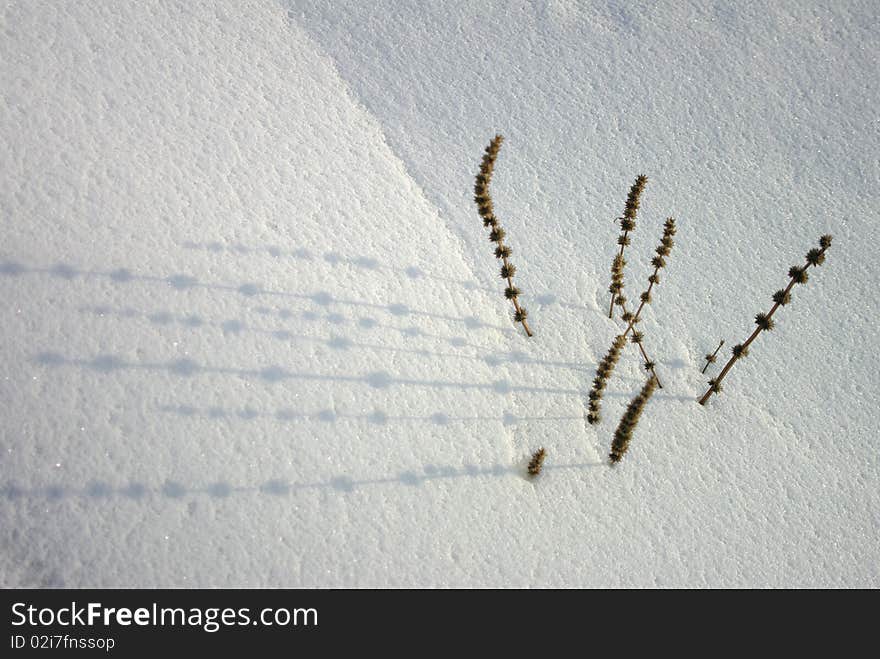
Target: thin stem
<point>712,360</point>
<point>638,312</point>
<point>515,301</point>
<point>648,361</point>
<point>754,335</point>
<point>645,354</point>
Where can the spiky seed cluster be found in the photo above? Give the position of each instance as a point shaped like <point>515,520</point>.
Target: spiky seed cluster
<point>483,199</point>
<point>815,256</point>
<point>782,297</point>
<point>764,322</point>
<point>633,198</point>
<point>739,351</point>
<point>603,372</point>
<point>629,420</point>
<point>617,266</point>
<point>627,224</point>
<point>537,461</point>
<point>798,275</point>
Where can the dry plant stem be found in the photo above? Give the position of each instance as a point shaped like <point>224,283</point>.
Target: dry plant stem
<point>714,354</point>
<point>614,295</point>
<point>629,421</point>
<point>641,306</point>
<point>648,360</point>
<point>483,199</point>
<point>627,223</point>
<point>516,303</point>
<point>752,337</point>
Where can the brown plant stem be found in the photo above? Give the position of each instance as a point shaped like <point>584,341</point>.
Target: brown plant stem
<point>712,360</point>
<point>649,363</point>
<point>628,223</point>
<point>614,295</point>
<point>641,306</point>
<point>745,346</point>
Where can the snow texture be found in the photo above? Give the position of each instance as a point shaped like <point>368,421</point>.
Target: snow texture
<point>253,333</point>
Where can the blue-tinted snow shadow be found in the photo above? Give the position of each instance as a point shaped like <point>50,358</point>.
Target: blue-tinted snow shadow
<point>141,491</point>
<point>367,264</point>
<point>276,374</point>
<point>245,291</point>
<point>234,327</point>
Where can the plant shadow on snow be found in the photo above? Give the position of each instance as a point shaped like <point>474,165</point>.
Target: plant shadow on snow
<point>108,363</point>
<point>377,417</point>
<point>247,290</point>
<point>233,327</point>
<point>139,491</point>
<point>366,263</point>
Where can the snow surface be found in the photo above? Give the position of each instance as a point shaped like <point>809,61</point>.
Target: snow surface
<point>253,333</point>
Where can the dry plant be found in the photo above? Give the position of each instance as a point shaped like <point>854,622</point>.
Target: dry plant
<point>486,209</point>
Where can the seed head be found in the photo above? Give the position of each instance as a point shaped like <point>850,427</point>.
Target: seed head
<point>799,274</point>
<point>764,322</point>
<point>508,270</point>
<point>632,199</point>
<point>815,256</point>
<point>781,298</point>
<point>739,350</point>
<point>537,461</point>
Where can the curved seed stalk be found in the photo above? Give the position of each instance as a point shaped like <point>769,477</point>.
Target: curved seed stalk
<point>485,208</point>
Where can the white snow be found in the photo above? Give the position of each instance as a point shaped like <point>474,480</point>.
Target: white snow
<point>253,332</point>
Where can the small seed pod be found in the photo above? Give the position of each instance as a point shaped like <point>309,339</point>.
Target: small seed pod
<point>508,270</point>
<point>520,314</point>
<point>815,256</point>
<point>739,350</point>
<point>511,292</point>
<point>764,322</point>
<point>497,235</point>
<point>503,252</point>
<point>537,461</point>
<point>781,297</point>
<point>798,274</point>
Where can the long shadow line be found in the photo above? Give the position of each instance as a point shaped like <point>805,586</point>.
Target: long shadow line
<point>107,363</point>
<point>377,417</point>
<point>362,263</point>
<point>339,343</point>
<point>248,290</point>
<point>279,487</point>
